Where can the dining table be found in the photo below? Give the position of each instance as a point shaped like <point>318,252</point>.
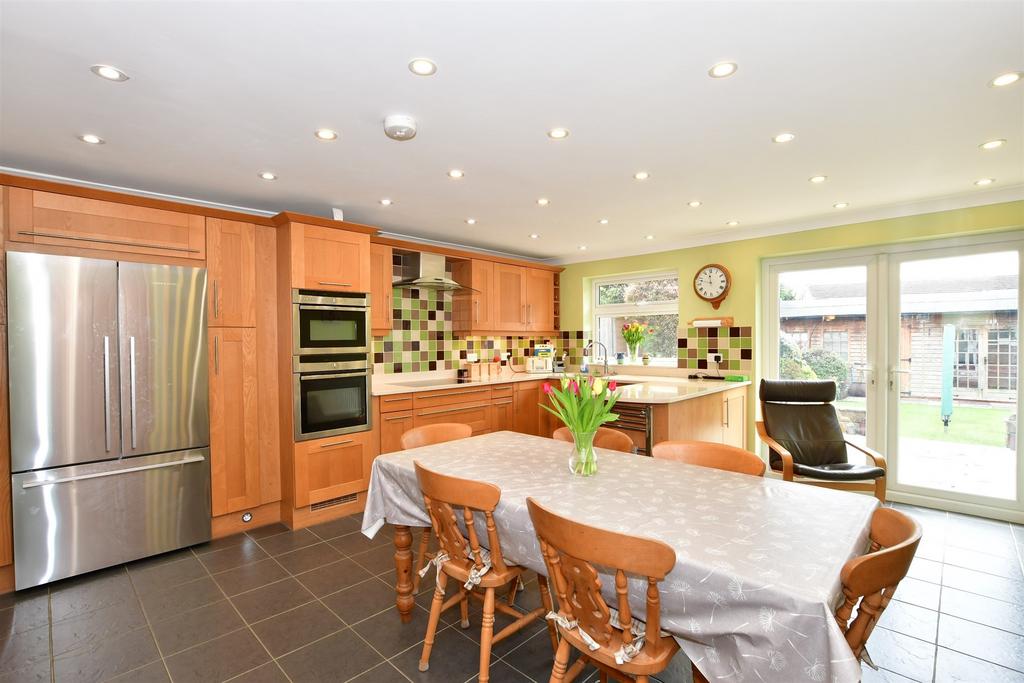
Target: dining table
<point>756,582</point>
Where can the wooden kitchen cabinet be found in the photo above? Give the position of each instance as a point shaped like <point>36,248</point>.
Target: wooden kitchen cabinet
<point>332,259</point>
<point>47,218</point>
<point>392,426</point>
<point>527,408</point>
<point>509,298</point>
<point>503,413</point>
<point>234,420</point>
<point>473,311</point>
<point>332,467</point>
<point>476,414</point>
<point>540,297</point>
<point>380,289</point>
<point>231,273</point>
<point>734,428</point>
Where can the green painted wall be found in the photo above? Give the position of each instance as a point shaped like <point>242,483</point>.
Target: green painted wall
<point>743,258</point>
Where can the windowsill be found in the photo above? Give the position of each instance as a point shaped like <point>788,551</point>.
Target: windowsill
<point>655,363</point>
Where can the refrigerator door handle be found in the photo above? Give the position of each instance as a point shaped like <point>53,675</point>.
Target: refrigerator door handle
<point>131,377</point>
<point>106,391</point>
<point>96,475</point>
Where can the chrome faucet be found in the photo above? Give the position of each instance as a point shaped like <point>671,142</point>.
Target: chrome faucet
<point>588,349</point>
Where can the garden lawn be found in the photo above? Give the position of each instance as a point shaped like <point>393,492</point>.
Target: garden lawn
<point>970,424</point>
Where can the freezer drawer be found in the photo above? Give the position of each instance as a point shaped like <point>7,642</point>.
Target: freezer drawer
<point>72,520</point>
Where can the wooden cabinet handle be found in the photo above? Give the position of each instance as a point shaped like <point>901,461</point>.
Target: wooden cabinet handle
<point>216,355</point>
<point>395,400</point>
<point>335,443</point>
<point>336,284</point>
<point>461,393</point>
<point>502,403</point>
<point>216,301</point>
<point>398,417</point>
<point>448,410</point>
<point>725,413</point>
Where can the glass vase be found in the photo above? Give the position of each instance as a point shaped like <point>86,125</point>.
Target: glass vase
<point>634,353</point>
<point>583,461</point>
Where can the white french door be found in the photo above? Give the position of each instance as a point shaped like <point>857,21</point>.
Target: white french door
<point>923,343</point>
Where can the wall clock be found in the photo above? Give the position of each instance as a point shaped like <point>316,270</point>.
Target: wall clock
<point>712,283</point>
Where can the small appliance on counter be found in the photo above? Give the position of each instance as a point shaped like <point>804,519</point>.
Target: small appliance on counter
<point>542,360</point>
<point>561,362</point>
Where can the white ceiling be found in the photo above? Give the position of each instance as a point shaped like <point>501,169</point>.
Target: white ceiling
<point>889,100</point>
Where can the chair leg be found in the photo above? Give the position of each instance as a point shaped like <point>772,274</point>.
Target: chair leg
<point>435,615</point>
<point>602,677</point>
<point>464,610</point>
<point>513,589</point>
<point>561,662</point>
<point>545,600</point>
<point>421,559</point>
<point>486,634</point>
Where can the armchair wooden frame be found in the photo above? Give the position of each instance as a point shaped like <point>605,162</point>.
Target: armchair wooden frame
<point>876,486</point>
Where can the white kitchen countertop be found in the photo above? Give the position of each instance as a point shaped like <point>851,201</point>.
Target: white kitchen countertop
<point>642,388</point>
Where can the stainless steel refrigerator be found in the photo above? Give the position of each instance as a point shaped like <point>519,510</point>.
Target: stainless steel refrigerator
<point>109,412</point>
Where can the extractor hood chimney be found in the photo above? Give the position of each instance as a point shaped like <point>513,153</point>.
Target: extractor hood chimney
<point>426,271</point>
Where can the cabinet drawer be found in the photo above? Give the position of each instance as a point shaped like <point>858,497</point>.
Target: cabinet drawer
<point>392,426</point>
<point>47,218</point>
<point>501,391</point>
<point>332,467</point>
<point>477,415</point>
<point>395,402</point>
<point>447,397</point>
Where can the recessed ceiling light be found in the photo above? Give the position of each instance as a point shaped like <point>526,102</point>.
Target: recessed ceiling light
<point>422,66</point>
<point>534,236</point>
<point>981,182</point>
<point>386,202</point>
<point>603,221</point>
<point>471,221</point>
<point>111,73</point>
<point>723,69</point>
<point>558,133</point>
<point>456,173</point>
<point>784,137</point>
<point>992,144</point>
<point>543,201</point>
<point>91,139</point>
<point>325,134</point>
<point>817,179</point>
<point>641,175</point>
<point>648,237</point>
<point>267,175</point>
<point>694,204</point>
<point>583,247</point>
<point>840,205</point>
<point>732,224</point>
<point>1009,78</point>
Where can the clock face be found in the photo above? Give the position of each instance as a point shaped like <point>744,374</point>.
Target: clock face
<point>711,283</point>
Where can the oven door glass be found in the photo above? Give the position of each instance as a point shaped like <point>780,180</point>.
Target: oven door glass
<point>328,404</point>
<point>329,329</point>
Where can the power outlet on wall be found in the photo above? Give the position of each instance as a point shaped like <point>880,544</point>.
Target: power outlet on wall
<point>716,358</point>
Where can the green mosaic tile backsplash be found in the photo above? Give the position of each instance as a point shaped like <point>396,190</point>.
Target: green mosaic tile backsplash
<point>734,343</point>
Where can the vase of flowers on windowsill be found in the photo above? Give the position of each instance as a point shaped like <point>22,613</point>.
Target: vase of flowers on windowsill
<point>583,404</point>
<point>634,334</point>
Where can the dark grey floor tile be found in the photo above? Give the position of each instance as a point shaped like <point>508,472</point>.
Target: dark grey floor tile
<point>89,592</point>
<point>995,540</point>
<point>362,600</point>
<point>250,576</point>
<point>389,636</point>
<point>983,562</point>
<point>218,660</point>
<point>382,673</point>
<point>503,673</point>
<point>166,575</point>
<point>453,658</point>
<point>355,543</point>
<point>333,577</point>
<point>92,628</point>
<point>154,672</point>
<point>911,620</point>
<point>377,560</point>
<point>981,583</point>
<point>21,649</point>
<point>267,531</point>
<point>196,626</point>
<point>8,600</point>
<point>954,667</point>
<point>310,557</point>
<point>905,655</point>
<point>219,544</point>
<point>246,552</point>
<point>288,541</point>
<point>268,673</point>
<point>271,599</point>
<point>24,615</point>
<point>291,630</point>
<point>157,560</point>
<point>534,657</point>
<point>166,604</point>
<point>319,661</point>
<point>1007,616</point>
<point>38,671</point>
<point>336,527</point>
<point>983,642</point>
<point>920,593</point>
<point>107,658</point>
<point>501,621</point>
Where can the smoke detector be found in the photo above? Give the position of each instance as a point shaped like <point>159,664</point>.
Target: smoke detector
<point>400,127</point>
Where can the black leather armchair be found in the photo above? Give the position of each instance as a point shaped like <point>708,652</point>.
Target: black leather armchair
<point>806,442</point>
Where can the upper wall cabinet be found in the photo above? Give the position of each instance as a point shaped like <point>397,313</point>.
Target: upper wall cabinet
<point>508,298</point>
<point>380,288</point>
<point>330,259</point>
<point>46,218</point>
<point>473,310</point>
<point>540,297</point>
<point>231,266</point>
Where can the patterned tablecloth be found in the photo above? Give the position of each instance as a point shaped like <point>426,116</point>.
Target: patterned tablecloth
<point>756,579</point>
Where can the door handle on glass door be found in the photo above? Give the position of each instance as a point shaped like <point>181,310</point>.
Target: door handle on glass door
<point>892,376</point>
<point>106,391</point>
<point>131,380</point>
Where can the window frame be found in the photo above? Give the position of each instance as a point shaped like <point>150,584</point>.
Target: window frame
<point>626,310</point>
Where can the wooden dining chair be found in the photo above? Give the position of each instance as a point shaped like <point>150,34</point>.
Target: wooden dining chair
<point>428,435</point>
<point>476,568</point>
<point>707,454</point>
<point>606,437</point>
<point>609,638</point>
<point>870,580</point>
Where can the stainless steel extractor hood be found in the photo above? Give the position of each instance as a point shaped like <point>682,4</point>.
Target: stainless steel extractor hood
<point>426,271</point>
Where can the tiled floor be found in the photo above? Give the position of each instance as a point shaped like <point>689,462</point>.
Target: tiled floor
<point>317,605</point>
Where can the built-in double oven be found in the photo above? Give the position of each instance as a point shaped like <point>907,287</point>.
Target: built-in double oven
<point>331,365</point>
